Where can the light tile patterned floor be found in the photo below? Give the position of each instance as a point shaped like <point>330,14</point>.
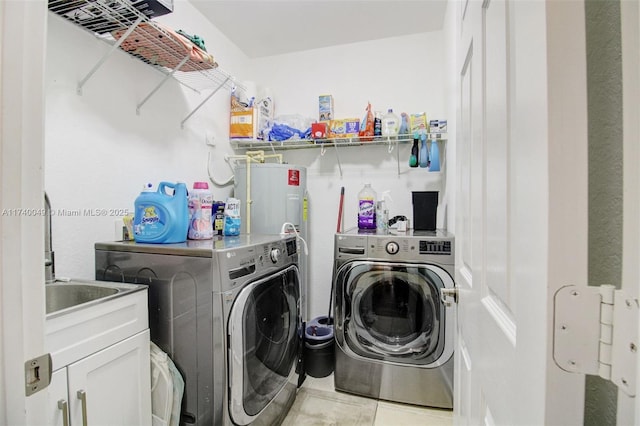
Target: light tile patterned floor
<point>318,404</point>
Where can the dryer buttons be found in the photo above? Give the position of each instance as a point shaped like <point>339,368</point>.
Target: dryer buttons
<point>392,248</point>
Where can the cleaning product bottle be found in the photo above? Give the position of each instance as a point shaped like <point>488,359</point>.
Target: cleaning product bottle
<point>366,207</point>
<point>390,124</point>
<point>404,124</point>
<point>161,217</point>
<point>434,157</point>
<point>200,211</point>
<point>382,213</point>
<point>415,150</point>
<point>424,154</point>
<point>377,124</point>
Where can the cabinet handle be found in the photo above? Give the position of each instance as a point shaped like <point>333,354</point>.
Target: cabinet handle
<point>82,396</point>
<point>64,406</point>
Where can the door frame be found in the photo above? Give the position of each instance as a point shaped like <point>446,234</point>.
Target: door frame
<point>23,32</point>
<point>628,410</point>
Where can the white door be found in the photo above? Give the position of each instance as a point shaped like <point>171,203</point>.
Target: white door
<point>22,55</point>
<point>629,408</point>
<point>113,386</point>
<point>521,229</point>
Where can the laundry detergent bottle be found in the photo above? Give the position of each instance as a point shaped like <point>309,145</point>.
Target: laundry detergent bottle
<point>200,211</point>
<point>366,207</point>
<point>161,217</point>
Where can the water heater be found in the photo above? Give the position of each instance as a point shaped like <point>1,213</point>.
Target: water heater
<point>278,194</point>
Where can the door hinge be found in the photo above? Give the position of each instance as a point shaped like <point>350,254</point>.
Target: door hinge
<point>37,374</point>
<point>595,331</point>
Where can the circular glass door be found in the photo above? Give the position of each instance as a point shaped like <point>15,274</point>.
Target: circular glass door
<point>263,357</point>
<point>393,311</point>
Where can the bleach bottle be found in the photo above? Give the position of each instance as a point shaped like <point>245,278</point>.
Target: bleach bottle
<point>161,217</point>
<point>366,207</point>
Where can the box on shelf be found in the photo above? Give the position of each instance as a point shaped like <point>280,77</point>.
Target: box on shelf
<point>325,106</point>
<point>437,126</point>
<point>319,130</point>
<point>105,16</point>
<point>153,8</point>
<point>418,122</point>
<point>344,128</point>
<point>249,121</point>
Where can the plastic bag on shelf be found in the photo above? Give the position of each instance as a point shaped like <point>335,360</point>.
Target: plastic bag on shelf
<point>293,126</point>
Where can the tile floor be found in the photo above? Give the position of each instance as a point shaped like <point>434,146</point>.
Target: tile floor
<point>319,404</point>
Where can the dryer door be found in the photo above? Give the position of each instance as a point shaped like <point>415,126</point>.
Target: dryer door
<point>393,312</point>
<point>265,329</point>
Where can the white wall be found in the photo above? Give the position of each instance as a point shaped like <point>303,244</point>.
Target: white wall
<point>403,73</point>
<point>99,152</point>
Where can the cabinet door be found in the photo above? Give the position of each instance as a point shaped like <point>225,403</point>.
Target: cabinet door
<point>57,398</point>
<point>113,386</point>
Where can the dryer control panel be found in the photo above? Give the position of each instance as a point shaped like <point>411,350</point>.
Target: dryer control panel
<point>435,247</point>
<point>393,247</point>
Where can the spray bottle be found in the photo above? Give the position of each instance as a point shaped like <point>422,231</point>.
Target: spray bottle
<point>382,213</point>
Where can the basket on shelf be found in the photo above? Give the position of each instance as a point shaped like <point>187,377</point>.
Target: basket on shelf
<point>158,45</point>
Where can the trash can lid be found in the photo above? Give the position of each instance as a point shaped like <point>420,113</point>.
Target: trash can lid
<point>319,332</point>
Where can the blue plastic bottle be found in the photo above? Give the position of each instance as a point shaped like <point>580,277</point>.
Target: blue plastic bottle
<point>424,154</point>
<point>434,157</point>
<point>161,217</point>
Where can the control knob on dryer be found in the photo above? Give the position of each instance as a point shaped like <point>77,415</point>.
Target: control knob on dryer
<point>392,247</point>
<point>275,255</point>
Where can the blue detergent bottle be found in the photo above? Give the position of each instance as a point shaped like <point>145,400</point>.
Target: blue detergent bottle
<point>434,157</point>
<point>161,217</point>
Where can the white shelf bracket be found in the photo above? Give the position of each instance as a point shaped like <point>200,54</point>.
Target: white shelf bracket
<point>397,156</point>
<point>164,80</point>
<point>204,101</point>
<point>109,53</point>
<point>338,158</point>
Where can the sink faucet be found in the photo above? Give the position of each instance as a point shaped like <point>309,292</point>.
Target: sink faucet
<point>49,260</point>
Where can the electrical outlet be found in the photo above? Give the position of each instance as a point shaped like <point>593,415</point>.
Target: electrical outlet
<point>209,140</point>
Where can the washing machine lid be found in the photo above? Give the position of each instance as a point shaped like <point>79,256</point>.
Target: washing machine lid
<point>393,312</point>
<point>264,331</point>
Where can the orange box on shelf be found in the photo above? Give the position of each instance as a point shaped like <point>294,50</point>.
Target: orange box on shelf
<point>249,120</point>
<point>344,128</point>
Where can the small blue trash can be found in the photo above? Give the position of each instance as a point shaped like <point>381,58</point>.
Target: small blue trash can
<point>319,347</point>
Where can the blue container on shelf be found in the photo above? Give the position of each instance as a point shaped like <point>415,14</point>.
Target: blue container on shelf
<point>161,217</point>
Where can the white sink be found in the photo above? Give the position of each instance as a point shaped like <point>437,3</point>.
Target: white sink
<point>86,316</point>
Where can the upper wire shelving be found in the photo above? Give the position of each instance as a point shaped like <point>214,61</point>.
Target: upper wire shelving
<point>120,24</point>
<point>391,142</point>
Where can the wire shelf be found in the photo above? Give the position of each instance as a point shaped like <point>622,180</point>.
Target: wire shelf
<point>125,26</point>
<point>241,144</point>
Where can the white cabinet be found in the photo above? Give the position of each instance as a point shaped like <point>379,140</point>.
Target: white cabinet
<point>58,398</point>
<point>110,387</point>
<point>101,362</point>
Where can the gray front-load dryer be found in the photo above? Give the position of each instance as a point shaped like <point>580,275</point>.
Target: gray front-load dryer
<point>394,335</point>
<point>227,312</point>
